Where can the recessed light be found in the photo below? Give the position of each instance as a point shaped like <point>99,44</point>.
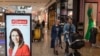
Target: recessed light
<point>1,14</point>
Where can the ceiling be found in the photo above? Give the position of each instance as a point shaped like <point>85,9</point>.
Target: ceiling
<point>36,4</point>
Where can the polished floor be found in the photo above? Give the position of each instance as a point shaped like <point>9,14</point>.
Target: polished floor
<point>42,48</point>
<point>2,46</point>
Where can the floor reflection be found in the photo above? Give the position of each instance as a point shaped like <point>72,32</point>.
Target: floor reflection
<point>2,47</point>
<point>43,48</point>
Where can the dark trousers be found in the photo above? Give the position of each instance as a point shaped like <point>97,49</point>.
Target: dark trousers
<point>92,39</point>
<point>60,42</point>
<point>67,47</point>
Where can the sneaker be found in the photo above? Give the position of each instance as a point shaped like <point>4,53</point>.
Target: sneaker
<point>93,45</point>
<point>56,52</point>
<point>66,54</point>
<point>97,46</point>
<point>61,47</point>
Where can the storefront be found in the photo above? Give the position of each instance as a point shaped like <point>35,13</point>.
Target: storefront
<point>51,15</point>
<point>91,7</point>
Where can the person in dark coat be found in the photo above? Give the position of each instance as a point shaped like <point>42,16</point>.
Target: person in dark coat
<point>38,25</point>
<point>43,23</point>
<point>93,34</point>
<point>55,36</point>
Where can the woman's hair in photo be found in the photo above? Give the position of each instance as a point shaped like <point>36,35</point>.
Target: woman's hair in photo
<point>21,40</point>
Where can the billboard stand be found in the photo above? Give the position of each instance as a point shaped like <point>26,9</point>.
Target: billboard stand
<point>18,34</point>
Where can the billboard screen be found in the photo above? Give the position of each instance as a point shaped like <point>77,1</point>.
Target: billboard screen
<point>18,34</point>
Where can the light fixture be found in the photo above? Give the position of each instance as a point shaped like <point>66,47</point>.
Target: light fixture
<point>70,13</point>
<point>29,8</point>
<point>1,14</point>
<point>41,8</point>
<point>0,46</point>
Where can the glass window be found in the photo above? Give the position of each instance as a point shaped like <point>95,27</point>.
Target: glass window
<point>70,4</point>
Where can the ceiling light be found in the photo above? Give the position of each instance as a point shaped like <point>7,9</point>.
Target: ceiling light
<point>1,14</point>
<point>70,13</point>
<point>30,8</point>
<point>41,8</point>
<point>0,46</point>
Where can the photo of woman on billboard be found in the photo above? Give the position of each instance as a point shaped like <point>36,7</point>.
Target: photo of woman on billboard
<point>17,45</point>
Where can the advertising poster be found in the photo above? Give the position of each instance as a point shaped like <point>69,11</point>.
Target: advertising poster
<point>18,34</point>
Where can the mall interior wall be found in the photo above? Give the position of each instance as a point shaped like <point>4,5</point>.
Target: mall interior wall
<point>98,12</point>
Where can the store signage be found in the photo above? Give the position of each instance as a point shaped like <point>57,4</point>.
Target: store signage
<point>23,9</point>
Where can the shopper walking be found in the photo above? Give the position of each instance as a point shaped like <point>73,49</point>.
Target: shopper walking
<point>68,29</point>
<point>55,34</point>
